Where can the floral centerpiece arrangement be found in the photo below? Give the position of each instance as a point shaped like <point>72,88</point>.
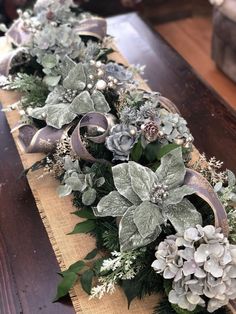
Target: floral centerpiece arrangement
<point>162,223</point>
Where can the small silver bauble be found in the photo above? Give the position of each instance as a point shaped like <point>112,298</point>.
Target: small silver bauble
<point>89,86</point>
<point>132,132</point>
<point>100,73</point>
<point>179,141</point>
<point>91,76</point>
<point>110,84</point>
<point>29,110</point>
<point>188,145</point>
<point>101,85</point>
<point>22,112</point>
<point>143,127</point>
<point>115,81</point>
<point>98,64</point>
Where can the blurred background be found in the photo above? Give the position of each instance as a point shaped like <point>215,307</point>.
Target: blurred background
<point>205,35</point>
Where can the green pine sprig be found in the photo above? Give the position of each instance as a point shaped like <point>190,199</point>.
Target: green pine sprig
<point>33,89</point>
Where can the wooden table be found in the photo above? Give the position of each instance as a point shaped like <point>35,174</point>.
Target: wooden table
<point>27,262</point>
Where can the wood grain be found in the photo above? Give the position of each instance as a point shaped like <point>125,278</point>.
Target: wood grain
<point>191,37</point>
<point>28,266</point>
<point>159,11</point>
<point>10,302</point>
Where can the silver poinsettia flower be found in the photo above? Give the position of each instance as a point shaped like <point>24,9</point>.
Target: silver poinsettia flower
<point>202,265</point>
<point>145,200</point>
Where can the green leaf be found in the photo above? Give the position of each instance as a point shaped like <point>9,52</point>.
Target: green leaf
<point>67,65</point>
<point>231,178</point>
<point>74,268</point>
<point>176,195</point>
<point>64,190</point>
<point>172,169</point>
<point>137,151</point>
<point>59,115</point>
<point>129,236</point>
<point>148,218</point>
<point>151,151</point>
<point>131,289</point>
<point>65,285</point>
<point>100,103</point>
<point>75,182</point>
<point>76,78</point>
<point>49,61</point>
<point>86,280</point>
<point>100,181</point>
<point>91,254</point>
<point>51,80</point>
<point>97,266</point>
<point>39,113</point>
<point>89,196</point>
<point>84,227</point>
<point>82,103</point>
<point>182,216</point>
<point>113,205</point>
<point>162,151</point>
<point>142,180</point>
<point>85,213</point>
<point>122,183</point>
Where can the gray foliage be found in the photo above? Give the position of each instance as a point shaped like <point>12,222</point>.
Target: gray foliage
<point>84,181</point>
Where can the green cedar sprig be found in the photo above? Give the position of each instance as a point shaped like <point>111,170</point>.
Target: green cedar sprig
<point>32,87</point>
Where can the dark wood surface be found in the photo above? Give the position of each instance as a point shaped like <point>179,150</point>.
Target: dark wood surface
<point>27,262</point>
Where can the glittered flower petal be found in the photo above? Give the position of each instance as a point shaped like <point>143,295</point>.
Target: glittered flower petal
<point>113,205</point>
<point>122,183</point>
<point>142,180</point>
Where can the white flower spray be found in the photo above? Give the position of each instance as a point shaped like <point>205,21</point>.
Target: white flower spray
<point>122,266</point>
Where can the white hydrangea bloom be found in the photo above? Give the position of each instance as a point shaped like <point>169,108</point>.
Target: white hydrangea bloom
<point>200,263</point>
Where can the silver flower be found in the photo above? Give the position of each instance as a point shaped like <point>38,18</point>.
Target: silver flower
<point>121,140</point>
<point>201,263</point>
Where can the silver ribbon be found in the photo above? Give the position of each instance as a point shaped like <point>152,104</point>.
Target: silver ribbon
<point>95,119</point>
<point>205,191</point>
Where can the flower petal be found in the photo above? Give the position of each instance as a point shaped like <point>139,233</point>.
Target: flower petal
<point>113,205</point>
<point>142,180</point>
<point>122,182</point>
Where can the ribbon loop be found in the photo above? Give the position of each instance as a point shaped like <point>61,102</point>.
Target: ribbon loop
<point>44,140</point>
<point>94,26</point>
<point>205,191</point>
<point>90,119</point>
